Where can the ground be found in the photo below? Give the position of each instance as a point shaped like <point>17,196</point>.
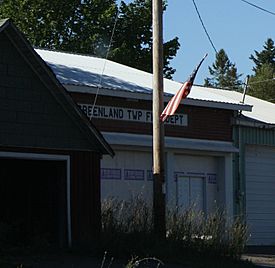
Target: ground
<point>251,259</point>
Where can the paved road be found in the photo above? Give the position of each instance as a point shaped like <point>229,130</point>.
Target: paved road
<point>262,260</point>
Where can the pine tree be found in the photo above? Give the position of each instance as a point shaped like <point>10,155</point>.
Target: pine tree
<point>266,56</point>
<point>223,73</point>
<point>262,82</point>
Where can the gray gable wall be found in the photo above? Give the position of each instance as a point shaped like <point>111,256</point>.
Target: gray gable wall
<point>30,116</point>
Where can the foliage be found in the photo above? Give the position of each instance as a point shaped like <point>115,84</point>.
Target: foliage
<point>262,85</point>
<point>124,222</point>
<point>262,82</point>
<point>135,50</point>
<point>86,27</point>
<point>223,73</point>
<point>127,230</point>
<point>264,57</point>
<point>212,235</point>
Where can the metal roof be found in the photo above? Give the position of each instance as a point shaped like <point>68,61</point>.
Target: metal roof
<point>80,73</point>
<point>262,111</point>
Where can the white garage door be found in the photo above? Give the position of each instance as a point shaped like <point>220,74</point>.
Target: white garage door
<point>260,194</point>
<point>198,179</point>
<point>127,175</point>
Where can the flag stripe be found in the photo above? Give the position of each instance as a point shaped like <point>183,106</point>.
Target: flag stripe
<point>182,93</point>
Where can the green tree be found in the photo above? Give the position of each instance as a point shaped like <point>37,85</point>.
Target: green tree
<point>85,26</point>
<point>133,38</point>
<point>261,85</point>
<point>262,82</point>
<point>223,73</point>
<point>266,56</point>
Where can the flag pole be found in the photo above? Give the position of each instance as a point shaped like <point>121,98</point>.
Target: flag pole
<point>158,128</point>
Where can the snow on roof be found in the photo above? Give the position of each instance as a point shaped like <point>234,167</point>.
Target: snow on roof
<point>90,72</point>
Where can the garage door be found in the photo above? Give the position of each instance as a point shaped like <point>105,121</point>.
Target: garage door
<point>260,194</point>
<point>196,183</point>
<point>127,175</point>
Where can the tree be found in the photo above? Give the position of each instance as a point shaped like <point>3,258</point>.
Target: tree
<point>224,73</point>
<point>133,38</point>
<point>266,56</point>
<point>261,83</point>
<point>85,26</point>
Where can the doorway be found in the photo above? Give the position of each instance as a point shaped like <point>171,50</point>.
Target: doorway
<point>33,201</point>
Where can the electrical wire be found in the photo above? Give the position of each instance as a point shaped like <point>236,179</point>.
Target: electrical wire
<point>106,57</point>
<point>205,30</point>
<point>263,9</point>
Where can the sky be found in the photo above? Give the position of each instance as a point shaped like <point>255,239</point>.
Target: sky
<point>233,25</point>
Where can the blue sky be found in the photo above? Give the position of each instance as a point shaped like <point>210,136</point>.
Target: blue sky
<point>233,25</point>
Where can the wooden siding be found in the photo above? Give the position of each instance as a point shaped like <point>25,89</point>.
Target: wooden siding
<point>203,123</point>
<point>30,115</point>
<point>86,209</point>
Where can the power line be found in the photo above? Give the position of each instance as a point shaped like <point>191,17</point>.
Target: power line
<point>263,9</point>
<point>205,30</point>
<point>106,57</point>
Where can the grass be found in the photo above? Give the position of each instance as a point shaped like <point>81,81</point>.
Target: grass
<point>191,235</point>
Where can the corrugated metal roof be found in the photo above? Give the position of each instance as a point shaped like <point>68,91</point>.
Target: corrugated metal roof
<point>262,111</point>
<point>89,72</point>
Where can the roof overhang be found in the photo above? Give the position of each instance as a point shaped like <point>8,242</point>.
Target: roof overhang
<point>146,96</point>
<point>249,122</point>
<point>127,139</point>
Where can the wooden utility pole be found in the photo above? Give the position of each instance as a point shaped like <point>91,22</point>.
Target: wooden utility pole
<point>245,88</point>
<point>158,128</point>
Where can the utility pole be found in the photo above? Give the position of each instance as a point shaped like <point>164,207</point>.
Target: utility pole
<point>245,88</point>
<point>158,128</point>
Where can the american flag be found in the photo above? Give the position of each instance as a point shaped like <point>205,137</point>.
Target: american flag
<point>182,93</point>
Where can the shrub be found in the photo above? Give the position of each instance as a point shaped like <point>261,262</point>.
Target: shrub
<point>127,229</point>
<point>212,234</point>
<point>126,226</point>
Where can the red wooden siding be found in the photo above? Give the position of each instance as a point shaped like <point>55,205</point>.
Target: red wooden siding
<point>85,190</point>
<point>203,122</point>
